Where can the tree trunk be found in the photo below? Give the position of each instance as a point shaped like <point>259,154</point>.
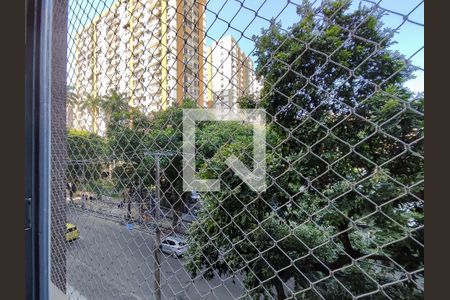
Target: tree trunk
<point>110,167</point>
<point>175,219</point>
<point>280,290</point>
<point>129,210</point>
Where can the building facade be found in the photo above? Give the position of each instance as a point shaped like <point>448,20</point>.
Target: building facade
<point>149,50</point>
<point>229,74</point>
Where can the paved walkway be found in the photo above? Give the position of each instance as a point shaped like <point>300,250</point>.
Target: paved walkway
<point>111,210</point>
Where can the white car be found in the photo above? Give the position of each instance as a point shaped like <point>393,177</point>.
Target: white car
<point>173,245</point>
<point>195,196</point>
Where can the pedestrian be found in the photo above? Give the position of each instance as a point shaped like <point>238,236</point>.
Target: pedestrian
<point>147,216</point>
<point>83,201</point>
<point>69,188</point>
<point>120,205</point>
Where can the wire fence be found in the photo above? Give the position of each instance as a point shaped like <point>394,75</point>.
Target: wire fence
<point>320,103</point>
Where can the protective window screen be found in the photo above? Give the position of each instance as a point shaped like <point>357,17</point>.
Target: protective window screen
<point>241,149</point>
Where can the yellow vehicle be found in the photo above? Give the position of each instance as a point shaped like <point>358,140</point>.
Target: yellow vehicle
<point>72,232</point>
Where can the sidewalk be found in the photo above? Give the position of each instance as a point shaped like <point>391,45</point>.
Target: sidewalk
<point>107,207</point>
<point>111,211</point>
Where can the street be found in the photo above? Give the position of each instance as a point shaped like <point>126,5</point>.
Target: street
<point>109,261</point>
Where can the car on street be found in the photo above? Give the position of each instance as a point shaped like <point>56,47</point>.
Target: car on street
<point>72,232</point>
<point>195,196</point>
<point>173,245</point>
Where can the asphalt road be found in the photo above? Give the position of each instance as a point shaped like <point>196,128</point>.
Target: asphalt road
<point>111,262</point>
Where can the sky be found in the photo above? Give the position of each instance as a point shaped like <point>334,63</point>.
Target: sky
<point>244,18</point>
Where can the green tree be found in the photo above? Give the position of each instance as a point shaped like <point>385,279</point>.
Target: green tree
<point>72,102</point>
<point>247,102</point>
<point>134,146</point>
<point>72,97</point>
<point>113,103</point>
<point>165,135</point>
<point>92,104</point>
<point>125,135</point>
<point>126,144</point>
<point>86,156</point>
<point>345,168</point>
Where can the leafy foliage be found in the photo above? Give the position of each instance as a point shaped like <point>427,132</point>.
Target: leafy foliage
<point>86,156</point>
<point>345,168</point>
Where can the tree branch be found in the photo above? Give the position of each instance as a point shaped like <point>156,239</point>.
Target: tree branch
<point>351,253</point>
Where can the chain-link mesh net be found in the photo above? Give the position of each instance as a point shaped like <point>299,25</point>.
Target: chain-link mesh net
<point>341,87</point>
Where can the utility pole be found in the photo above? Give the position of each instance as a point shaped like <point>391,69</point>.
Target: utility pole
<point>157,252</point>
<point>157,233</point>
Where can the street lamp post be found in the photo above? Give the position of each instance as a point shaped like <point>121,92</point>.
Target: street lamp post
<point>157,233</point>
<point>157,252</point>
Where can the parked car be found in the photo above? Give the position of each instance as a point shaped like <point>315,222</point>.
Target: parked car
<point>72,232</point>
<point>188,217</point>
<point>195,196</point>
<point>174,246</point>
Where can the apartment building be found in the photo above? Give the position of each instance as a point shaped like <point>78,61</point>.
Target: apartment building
<point>229,74</point>
<point>150,50</point>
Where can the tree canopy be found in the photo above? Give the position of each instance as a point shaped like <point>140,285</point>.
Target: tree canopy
<point>344,204</point>
<point>343,212</point>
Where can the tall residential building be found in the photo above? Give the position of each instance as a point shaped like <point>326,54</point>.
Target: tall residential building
<point>150,50</point>
<point>229,74</point>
